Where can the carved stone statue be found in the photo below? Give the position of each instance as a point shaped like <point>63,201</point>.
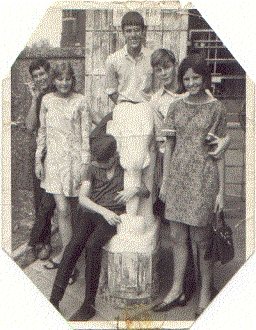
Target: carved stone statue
<point>131,252</point>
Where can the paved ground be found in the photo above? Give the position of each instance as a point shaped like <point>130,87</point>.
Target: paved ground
<point>73,298</point>
<point>23,216</point>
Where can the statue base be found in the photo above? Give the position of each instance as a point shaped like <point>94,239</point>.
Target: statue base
<point>128,278</point>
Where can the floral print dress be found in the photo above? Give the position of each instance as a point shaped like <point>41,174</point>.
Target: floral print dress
<point>63,142</point>
<point>193,181</point>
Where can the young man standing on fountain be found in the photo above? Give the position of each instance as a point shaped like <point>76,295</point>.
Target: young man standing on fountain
<point>128,70</point>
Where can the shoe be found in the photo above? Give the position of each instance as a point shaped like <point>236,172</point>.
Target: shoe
<point>199,311</point>
<point>45,252</point>
<point>83,314</point>
<point>37,248</point>
<point>73,276</point>
<point>164,306</point>
<point>53,265</point>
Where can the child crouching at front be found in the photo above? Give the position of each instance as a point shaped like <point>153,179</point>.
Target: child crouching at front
<point>102,200</point>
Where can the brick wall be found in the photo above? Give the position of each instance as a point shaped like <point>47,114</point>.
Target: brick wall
<point>235,162</point>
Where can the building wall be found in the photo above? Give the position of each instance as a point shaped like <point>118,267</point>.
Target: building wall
<point>73,28</point>
<point>235,162</point>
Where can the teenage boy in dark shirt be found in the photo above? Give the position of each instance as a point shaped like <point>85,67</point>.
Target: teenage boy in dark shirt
<point>102,198</point>
<point>40,237</point>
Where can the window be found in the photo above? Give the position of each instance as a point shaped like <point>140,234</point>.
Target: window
<point>228,77</point>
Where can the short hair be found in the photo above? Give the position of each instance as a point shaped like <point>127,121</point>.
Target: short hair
<point>39,63</point>
<point>132,18</point>
<point>64,68</point>
<point>198,64</point>
<point>161,56</point>
<point>103,148</point>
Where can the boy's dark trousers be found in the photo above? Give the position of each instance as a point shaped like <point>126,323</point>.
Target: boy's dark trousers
<point>44,208</point>
<point>92,232</point>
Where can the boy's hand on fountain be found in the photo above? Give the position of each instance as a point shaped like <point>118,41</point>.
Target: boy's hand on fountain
<point>125,195</point>
<point>110,216</point>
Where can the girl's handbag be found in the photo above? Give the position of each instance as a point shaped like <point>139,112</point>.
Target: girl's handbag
<point>221,248</point>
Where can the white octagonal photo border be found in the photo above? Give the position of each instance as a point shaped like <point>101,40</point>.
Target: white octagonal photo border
<point>238,8</point>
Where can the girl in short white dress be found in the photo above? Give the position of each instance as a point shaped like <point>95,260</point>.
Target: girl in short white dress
<point>62,154</point>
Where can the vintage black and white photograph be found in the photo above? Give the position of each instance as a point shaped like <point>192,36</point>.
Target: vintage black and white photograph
<point>128,190</point>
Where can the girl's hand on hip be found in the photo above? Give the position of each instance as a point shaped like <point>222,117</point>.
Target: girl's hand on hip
<point>39,171</point>
<point>112,218</point>
<point>222,145</point>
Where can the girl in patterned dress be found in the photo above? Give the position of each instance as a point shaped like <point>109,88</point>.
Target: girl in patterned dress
<point>62,154</point>
<point>192,187</point>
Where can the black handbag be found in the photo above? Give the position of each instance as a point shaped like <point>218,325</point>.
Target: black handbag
<point>221,247</point>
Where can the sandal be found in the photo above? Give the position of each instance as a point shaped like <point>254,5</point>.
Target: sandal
<point>73,276</point>
<point>45,252</point>
<point>37,248</point>
<point>54,265</point>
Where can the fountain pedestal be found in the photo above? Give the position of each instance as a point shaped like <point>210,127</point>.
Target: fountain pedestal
<point>128,278</point>
<point>129,272</point>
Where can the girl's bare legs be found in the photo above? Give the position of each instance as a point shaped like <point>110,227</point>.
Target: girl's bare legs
<point>206,276</point>
<point>196,262</point>
<point>64,221</point>
<point>179,234</point>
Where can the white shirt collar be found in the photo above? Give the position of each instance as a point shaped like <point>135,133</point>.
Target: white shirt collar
<point>162,91</point>
<point>125,51</point>
<point>169,92</point>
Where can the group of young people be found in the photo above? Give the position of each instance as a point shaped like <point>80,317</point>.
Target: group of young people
<point>78,172</point>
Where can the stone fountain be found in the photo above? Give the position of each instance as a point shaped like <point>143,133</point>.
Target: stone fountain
<point>129,260</point>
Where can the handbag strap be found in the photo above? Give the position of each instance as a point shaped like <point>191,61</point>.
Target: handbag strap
<point>218,220</point>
